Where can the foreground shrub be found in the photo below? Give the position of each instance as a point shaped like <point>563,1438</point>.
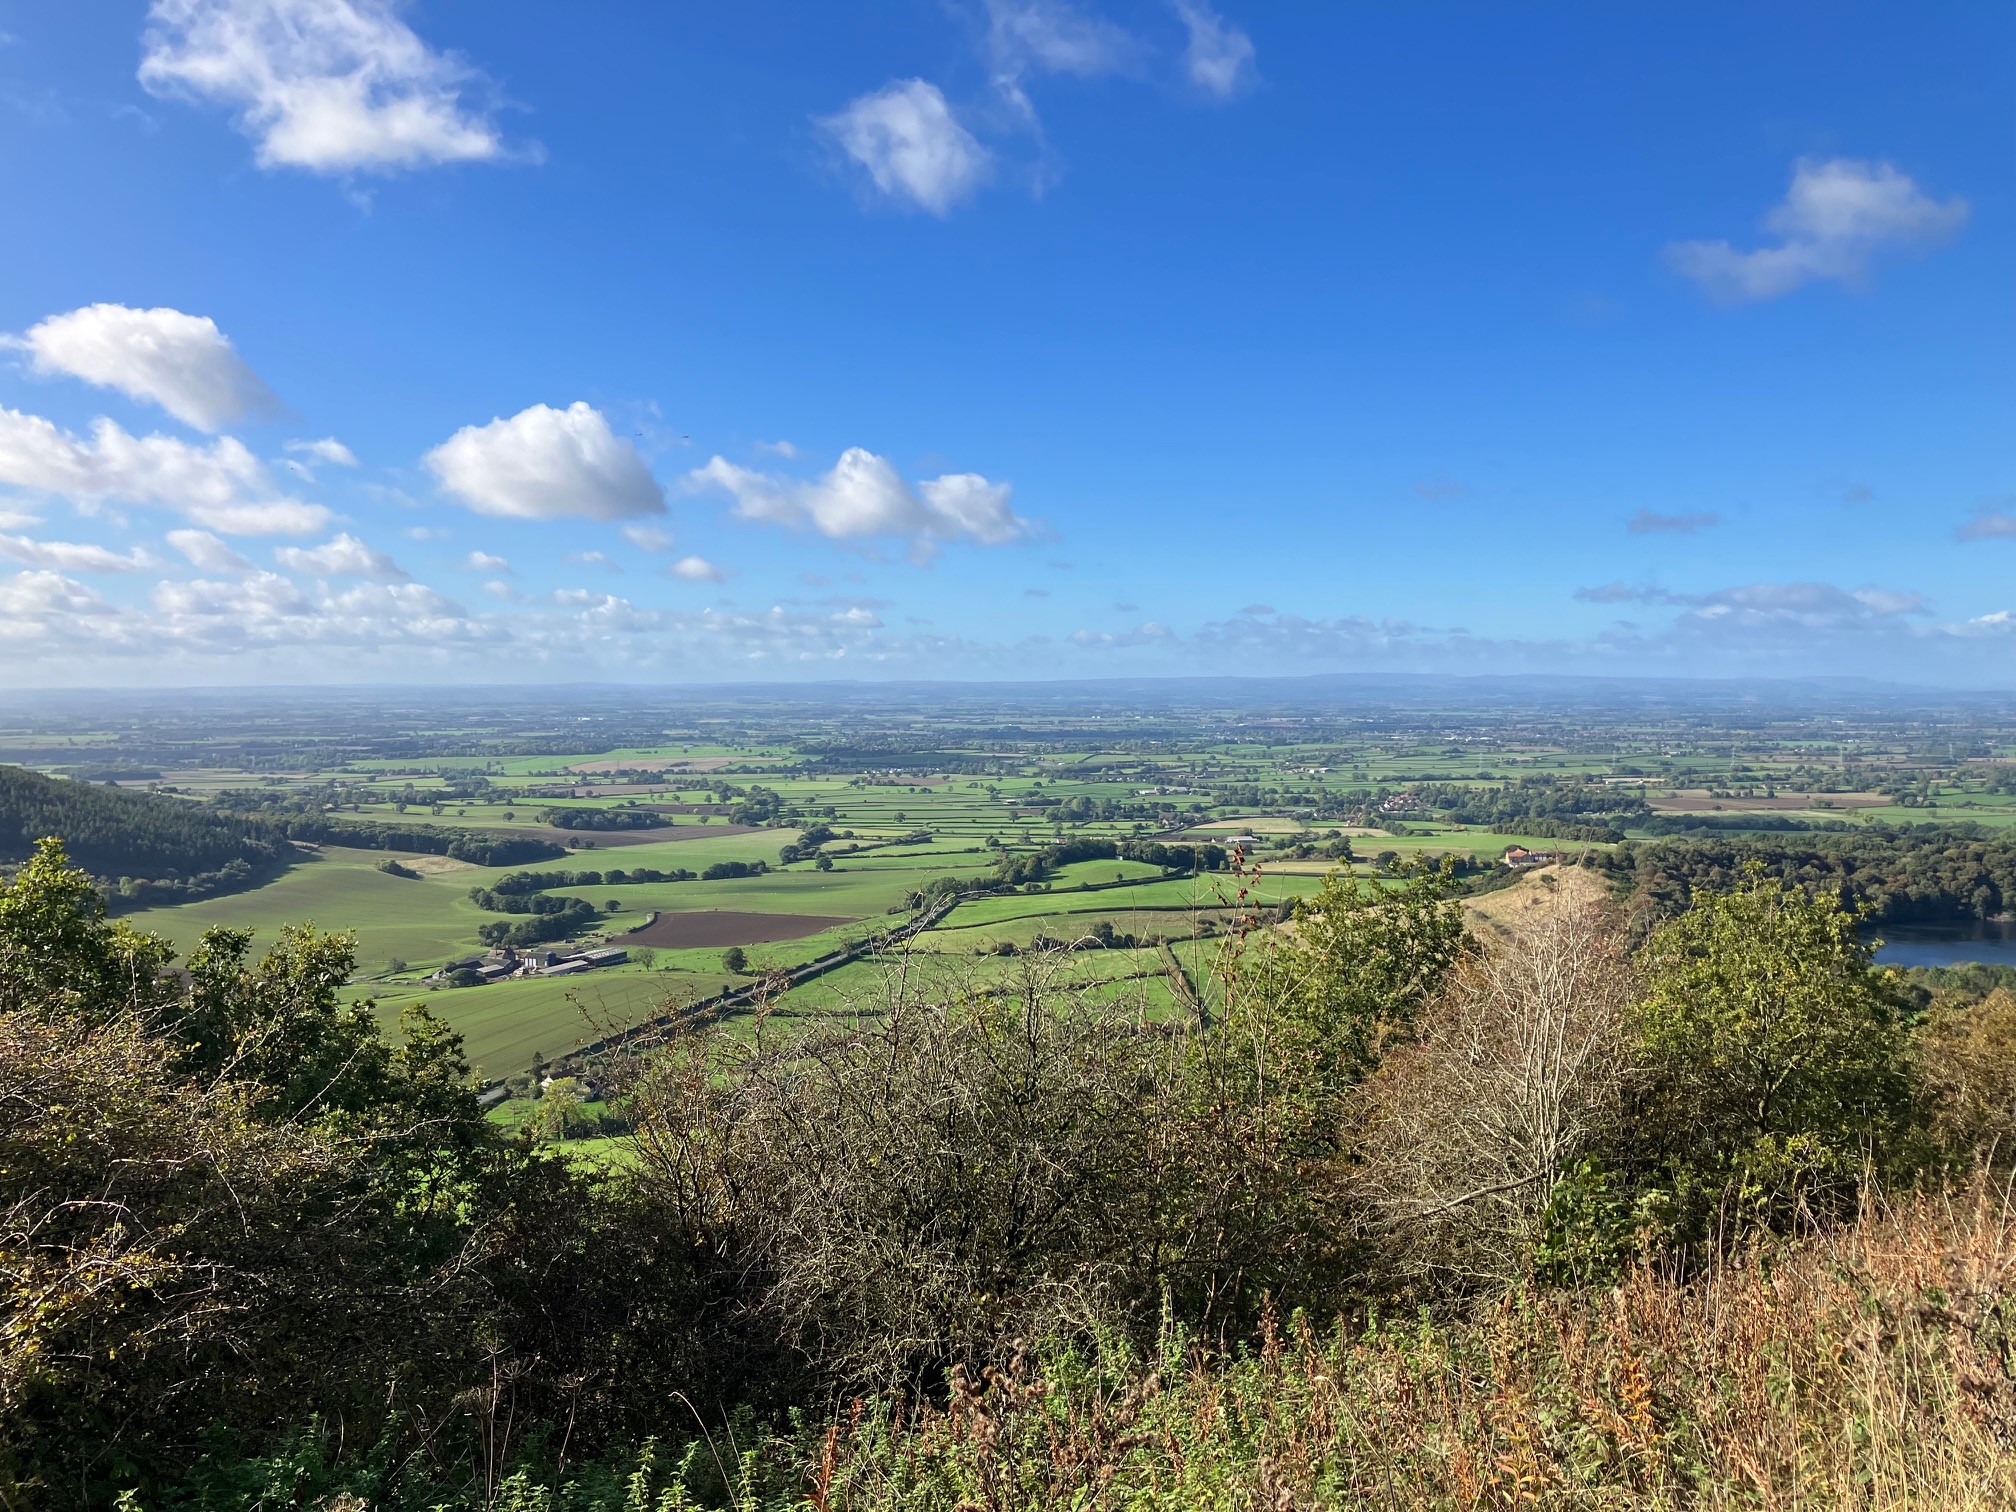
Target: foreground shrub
<point>907,1193</point>
<point>1774,1056</point>
<point>1514,1077</point>
<point>1871,1370</point>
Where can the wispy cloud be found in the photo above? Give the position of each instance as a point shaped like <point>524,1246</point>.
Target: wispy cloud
<point>1648,522</point>
<point>1990,525</point>
<point>220,486</point>
<point>912,145</point>
<point>1439,490</point>
<point>693,569</point>
<point>73,556</point>
<point>1833,222</point>
<point>1219,56</point>
<point>330,86</point>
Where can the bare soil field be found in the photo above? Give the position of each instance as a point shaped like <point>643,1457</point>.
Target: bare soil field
<point>1698,801</point>
<point>720,926</point>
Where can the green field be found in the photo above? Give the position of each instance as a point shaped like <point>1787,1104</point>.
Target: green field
<point>422,922</point>
<point>909,795</point>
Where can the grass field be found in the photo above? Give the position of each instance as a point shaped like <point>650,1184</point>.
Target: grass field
<point>504,1024</point>
<point>423,922</point>
<point>973,788</point>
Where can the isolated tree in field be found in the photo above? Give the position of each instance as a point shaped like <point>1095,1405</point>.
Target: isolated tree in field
<point>735,959</point>
<point>559,1113</point>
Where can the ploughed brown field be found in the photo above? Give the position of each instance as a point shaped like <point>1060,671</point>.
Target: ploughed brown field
<point>722,926</point>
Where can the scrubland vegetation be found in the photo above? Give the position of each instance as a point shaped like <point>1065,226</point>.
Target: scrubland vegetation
<point>1705,1212</point>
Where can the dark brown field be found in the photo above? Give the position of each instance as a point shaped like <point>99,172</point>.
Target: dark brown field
<point>719,926</point>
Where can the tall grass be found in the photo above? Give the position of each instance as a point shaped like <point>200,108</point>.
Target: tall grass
<point>1871,1368</point>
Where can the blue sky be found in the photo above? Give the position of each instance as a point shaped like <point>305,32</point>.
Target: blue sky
<point>1002,339</point>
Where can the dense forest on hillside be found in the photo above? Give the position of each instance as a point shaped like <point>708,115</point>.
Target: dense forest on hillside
<point>143,848</point>
<point>1031,1249</point>
<point>1902,873</point>
<point>307,816</point>
<point>1541,806</point>
<point>479,847</point>
<point>601,818</point>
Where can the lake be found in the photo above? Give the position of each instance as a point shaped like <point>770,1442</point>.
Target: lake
<point>1947,944</point>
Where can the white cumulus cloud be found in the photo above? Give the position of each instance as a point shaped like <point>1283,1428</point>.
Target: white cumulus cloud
<point>693,569</point>
<point>546,464</point>
<point>341,556</point>
<point>1835,218</point>
<point>483,561</point>
<point>648,537</point>
<point>863,497</point>
<point>1219,56</point>
<point>181,362</point>
<point>331,86</point>
<point>221,486</point>
<point>206,553</point>
<point>44,610</point>
<point>328,450</point>
<point>911,144</point>
<point>267,610</point>
<point>73,556</point>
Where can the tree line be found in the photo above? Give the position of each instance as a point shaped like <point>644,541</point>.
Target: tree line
<point>1900,874</point>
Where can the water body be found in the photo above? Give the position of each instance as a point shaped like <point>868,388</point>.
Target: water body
<point>1992,944</point>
